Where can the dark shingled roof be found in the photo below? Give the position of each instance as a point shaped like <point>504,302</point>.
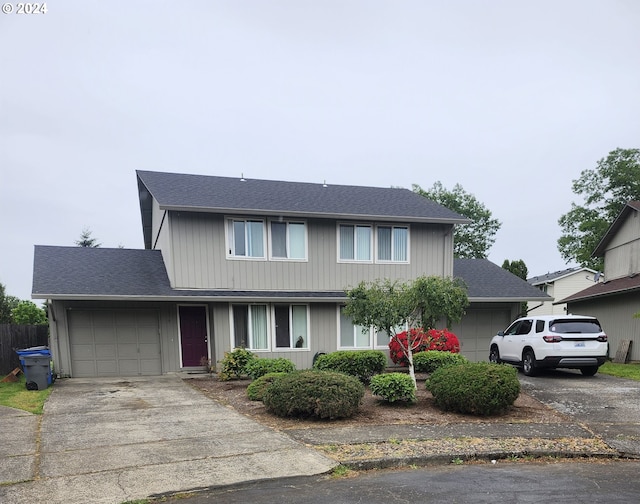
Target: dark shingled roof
<point>487,281</point>
<point>607,288</point>
<point>271,197</point>
<point>105,273</point>
<point>550,277</point>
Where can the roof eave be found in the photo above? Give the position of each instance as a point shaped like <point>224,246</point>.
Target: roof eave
<point>317,215</point>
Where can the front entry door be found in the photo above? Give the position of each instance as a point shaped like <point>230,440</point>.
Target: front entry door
<point>193,336</point>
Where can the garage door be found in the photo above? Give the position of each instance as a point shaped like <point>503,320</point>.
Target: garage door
<point>114,343</point>
<point>477,328</point>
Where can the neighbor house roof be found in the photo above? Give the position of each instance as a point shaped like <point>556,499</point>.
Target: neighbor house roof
<point>488,282</point>
<point>84,273</point>
<point>205,193</point>
<point>632,206</point>
<point>557,275</point>
<point>606,288</point>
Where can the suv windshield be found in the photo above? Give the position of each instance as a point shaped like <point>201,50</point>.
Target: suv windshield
<point>565,326</point>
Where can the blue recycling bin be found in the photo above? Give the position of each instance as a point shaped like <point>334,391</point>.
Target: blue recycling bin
<point>36,364</point>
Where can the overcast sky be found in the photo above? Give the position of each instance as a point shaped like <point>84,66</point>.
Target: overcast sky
<point>511,99</point>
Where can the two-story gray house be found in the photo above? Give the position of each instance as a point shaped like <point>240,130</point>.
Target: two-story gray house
<point>616,300</point>
<point>262,264</point>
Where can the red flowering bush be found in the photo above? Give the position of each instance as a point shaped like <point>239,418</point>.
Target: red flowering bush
<point>433,339</point>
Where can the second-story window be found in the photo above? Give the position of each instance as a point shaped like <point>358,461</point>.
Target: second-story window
<point>246,238</point>
<point>288,240</point>
<point>355,242</point>
<point>393,243</point>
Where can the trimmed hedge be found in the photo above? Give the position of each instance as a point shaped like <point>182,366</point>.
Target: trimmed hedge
<point>363,364</point>
<point>235,363</point>
<point>393,387</point>
<point>260,367</point>
<point>476,388</point>
<point>256,389</point>
<point>422,341</point>
<point>309,393</point>
<point>429,361</point>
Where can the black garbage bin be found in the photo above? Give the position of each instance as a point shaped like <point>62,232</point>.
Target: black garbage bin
<point>37,370</point>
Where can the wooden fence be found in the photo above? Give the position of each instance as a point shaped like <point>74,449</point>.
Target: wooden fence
<point>14,337</point>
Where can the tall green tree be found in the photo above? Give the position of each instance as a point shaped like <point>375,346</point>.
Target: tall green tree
<point>471,240</point>
<point>86,240</point>
<point>391,306</point>
<point>26,312</point>
<point>605,189</point>
<point>7,304</point>
<point>519,269</point>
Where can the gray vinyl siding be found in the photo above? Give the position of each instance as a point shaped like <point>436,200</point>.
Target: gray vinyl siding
<point>615,314</point>
<point>622,255</point>
<point>198,258</point>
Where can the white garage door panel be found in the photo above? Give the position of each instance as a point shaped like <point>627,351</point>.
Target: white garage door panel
<point>114,343</point>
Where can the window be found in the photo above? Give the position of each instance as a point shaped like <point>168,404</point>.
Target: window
<point>288,240</point>
<point>291,326</point>
<point>355,336</point>
<point>355,242</point>
<point>392,243</point>
<point>250,327</point>
<point>245,238</point>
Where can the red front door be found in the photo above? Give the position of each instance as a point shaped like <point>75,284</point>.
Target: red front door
<point>193,335</point>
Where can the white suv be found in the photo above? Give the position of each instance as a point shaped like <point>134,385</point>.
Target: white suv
<point>551,341</point>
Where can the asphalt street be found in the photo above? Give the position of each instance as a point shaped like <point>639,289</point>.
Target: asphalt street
<point>505,482</point>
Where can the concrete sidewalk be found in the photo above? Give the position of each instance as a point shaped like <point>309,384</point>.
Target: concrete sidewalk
<point>113,440</point>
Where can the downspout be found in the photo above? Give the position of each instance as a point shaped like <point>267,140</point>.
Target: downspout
<point>54,333</point>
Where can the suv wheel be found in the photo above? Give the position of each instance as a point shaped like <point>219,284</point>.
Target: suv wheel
<point>589,371</point>
<point>529,363</point>
<point>494,355</point>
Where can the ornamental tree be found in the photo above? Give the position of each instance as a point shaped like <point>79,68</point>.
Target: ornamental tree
<point>390,307</point>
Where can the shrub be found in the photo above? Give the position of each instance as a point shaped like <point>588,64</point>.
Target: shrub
<point>362,364</point>
<point>234,364</point>
<point>433,339</point>
<point>394,387</point>
<point>309,393</point>
<point>260,367</point>
<point>429,361</point>
<point>476,388</point>
<point>256,389</point>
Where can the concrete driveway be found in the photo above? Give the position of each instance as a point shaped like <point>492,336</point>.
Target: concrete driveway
<point>113,440</point>
<point>608,406</point>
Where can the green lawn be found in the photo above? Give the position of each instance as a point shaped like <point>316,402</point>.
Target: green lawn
<point>16,395</point>
<point>630,371</point>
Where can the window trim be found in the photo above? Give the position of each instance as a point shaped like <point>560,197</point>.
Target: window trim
<point>229,238</point>
<point>290,348</point>
<point>288,242</point>
<point>408,244</point>
<point>232,326</point>
<point>372,254</point>
<point>271,327</point>
<point>373,336</point>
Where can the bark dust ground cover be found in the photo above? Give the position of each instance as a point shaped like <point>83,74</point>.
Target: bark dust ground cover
<point>373,411</point>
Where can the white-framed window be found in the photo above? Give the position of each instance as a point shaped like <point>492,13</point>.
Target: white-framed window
<point>277,327</point>
<point>291,329</point>
<point>288,240</point>
<point>250,326</point>
<point>355,242</point>
<point>246,238</point>
<point>353,336</point>
<point>392,243</point>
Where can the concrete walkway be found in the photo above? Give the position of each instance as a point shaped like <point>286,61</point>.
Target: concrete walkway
<point>113,440</point>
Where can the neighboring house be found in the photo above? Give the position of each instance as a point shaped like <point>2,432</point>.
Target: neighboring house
<point>262,264</point>
<point>559,285</point>
<point>615,301</point>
